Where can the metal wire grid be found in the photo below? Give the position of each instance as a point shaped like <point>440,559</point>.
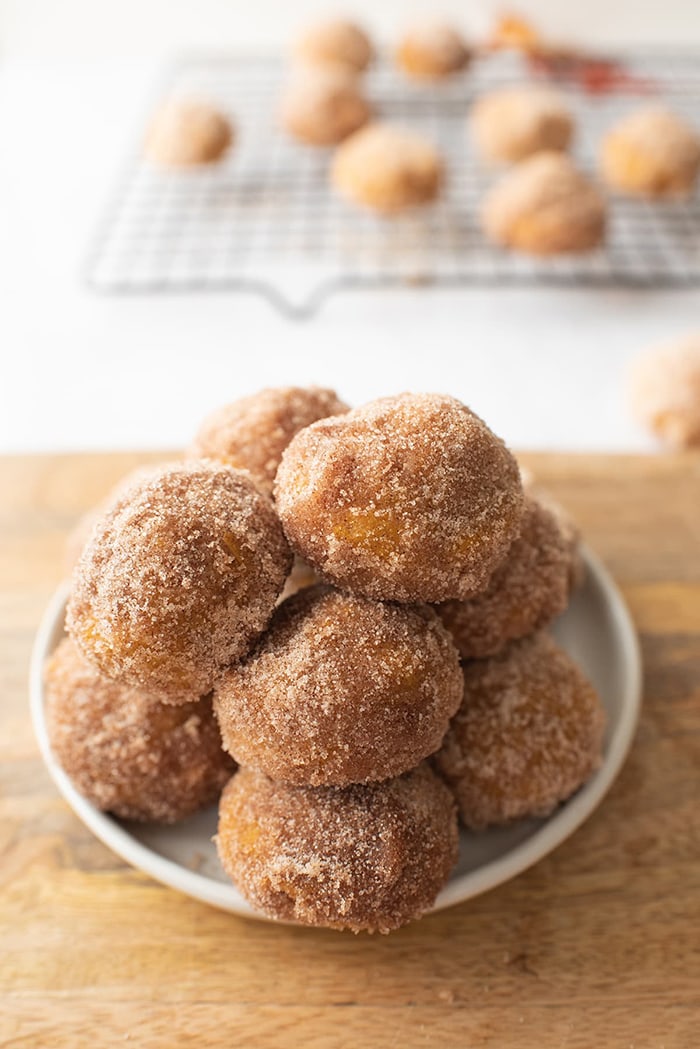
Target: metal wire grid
<point>266,218</point>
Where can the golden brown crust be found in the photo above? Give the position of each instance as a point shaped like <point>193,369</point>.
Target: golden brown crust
<point>665,392</point>
<point>341,690</point>
<point>252,432</point>
<point>529,733</point>
<point>545,206</point>
<point>322,105</point>
<point>651,153</point>
<point>187,132</point>
<point>127,753</point>
<point>365,858</point>
<point>178,580</point>
<point>334,41</point>
<point>410,498</point>
<point>512,123</point>
<point>432,50</point>
<point>387,169</point>
<point>525,593</point>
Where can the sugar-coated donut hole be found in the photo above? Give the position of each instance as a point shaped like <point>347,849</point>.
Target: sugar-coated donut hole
<point>545,206</point>
<point>341,690</point>
<point>252,432</point>
<point>387,169</point>
<point>528,734</point>
<point>188,132</point>
<point>322,105</point>
<point>410,498</point>
<point>512,123</point>
<point>334,41</point>
<point>364,858</point>
<point>178,579</point>
<point>525,593</point>
<point>126,752</point>
<point>664,391</point>
<point>432,50</point>
<point>652,153</point>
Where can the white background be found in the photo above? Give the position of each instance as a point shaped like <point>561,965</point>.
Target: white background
<point>148,28</point>
<point>546,369</point>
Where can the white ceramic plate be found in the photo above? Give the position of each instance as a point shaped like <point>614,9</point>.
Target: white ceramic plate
<point>596,630</point>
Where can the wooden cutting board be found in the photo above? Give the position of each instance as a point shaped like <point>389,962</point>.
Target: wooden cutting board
<point>596,946</point>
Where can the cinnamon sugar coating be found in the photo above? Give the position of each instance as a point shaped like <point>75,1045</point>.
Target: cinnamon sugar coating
<point>545,206</point>
<point>568,529</point>
<point>252,432</point>
<point>528,734</point>
<point>664,389</point>
<point>365,858</point>
<point>387,169</point>
<point>341,690</point>
<point>178,580</point>
<point>432,50</point>
<point>525,593</point>
<point>652,153</point>
<point>512,123</point>
<point>334,41</point>
<point>82,531</point>
<point>567,526</point>
<point>322,105</point>
<point>127,753</point>
<point>410,498</point>
<point>187,132</point>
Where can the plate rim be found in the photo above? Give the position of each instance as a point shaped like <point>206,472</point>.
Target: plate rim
<point>552,833</point>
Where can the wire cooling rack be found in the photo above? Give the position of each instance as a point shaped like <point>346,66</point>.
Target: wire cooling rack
<point>267,220</point>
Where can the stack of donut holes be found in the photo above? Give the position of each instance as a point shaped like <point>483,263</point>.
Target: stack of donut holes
<point>544,205</point>
<point>334,620</point>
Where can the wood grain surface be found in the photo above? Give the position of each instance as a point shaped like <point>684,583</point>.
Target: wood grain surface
<point>596,946</point>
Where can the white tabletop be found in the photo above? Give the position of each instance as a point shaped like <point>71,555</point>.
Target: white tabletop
<point>545,368</point>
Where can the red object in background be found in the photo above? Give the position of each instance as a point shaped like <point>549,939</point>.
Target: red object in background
<point>594,75</point>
